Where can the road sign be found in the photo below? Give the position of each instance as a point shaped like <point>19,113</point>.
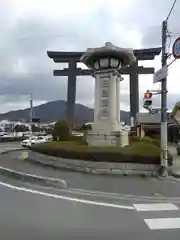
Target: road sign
<point>160,74</point>
<point>176,48</point>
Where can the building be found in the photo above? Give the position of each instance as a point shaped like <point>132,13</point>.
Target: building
<point>150,125</point>
<point>7,126</point>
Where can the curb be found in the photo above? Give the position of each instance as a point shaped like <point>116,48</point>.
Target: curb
<point>51,182</point>
<point>91,168</point>
<point>105,172</point>
<point>88,170</point>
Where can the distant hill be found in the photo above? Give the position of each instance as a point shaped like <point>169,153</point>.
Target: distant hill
<point>52,111</point>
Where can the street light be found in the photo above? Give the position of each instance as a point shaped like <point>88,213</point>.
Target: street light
<point>30,112</point>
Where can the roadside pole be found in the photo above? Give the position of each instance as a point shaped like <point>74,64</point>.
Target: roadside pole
<point>161,76</point>
<point>164,139</point>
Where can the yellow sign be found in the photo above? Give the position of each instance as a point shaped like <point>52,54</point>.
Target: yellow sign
<point>24,155</point>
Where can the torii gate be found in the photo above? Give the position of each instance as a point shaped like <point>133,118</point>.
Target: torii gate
<point>72,72</point>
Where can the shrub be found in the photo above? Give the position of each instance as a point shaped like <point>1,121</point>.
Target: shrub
<point>61,131</point>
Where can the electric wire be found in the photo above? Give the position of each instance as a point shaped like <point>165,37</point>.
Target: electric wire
<point>172,8</point>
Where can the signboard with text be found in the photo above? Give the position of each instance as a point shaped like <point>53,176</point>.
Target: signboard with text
<point>160,74</point>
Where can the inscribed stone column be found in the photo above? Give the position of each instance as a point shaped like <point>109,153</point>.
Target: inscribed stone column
<point>96,100</point>
<point>118,98</point>
<point>112,99</point>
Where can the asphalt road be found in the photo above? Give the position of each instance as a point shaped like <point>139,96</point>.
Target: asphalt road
<point>9,145</point>
<point>34,212</point>
<point>27,213</point>
<point>125,185</point>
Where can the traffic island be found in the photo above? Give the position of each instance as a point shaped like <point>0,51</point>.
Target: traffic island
<point>142,157</point>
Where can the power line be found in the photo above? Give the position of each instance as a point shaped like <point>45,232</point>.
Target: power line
<point>173,5</point>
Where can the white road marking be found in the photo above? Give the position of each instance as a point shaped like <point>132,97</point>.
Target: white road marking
<point>104,204</point>
<point>163,223</point>
<point>155,207</point>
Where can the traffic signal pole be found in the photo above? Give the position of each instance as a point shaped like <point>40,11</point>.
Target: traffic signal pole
<point>164,142</point>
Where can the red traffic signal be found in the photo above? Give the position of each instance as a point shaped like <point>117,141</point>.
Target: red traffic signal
<point>148,95</point>
<point>147,100</point>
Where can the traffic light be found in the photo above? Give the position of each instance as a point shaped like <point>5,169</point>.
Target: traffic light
<point>147,99</point>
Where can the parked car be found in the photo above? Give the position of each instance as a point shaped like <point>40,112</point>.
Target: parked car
<point>33,140</point>
<point>48,137</point>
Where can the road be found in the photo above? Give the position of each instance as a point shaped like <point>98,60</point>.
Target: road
<point>27,213</point>
<point>34,212</point>
<point>8,145</point>
<point>126,185</point>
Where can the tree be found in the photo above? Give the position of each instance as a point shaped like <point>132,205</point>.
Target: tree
<point>61,131</point>
<point>176,112</point>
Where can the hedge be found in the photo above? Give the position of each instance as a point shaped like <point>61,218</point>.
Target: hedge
<point>138,152</point>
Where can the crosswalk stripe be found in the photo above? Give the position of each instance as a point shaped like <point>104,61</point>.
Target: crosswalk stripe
<point>155,207</point>
<point>163,223</point>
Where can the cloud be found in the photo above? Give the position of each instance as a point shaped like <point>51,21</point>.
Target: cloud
<point>29,29</point>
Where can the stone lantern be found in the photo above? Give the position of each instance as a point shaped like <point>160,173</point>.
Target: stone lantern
<point>106,63</point>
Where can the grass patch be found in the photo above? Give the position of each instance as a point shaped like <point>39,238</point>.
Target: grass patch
<point>137,152</point>
<point>136,148</point>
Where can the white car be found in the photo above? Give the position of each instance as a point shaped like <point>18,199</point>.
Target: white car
<point>33,140</point>
<point>48,137</point>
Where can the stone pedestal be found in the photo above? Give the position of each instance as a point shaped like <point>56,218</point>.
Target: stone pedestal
<point>106,61</point>
<point>108,138</point>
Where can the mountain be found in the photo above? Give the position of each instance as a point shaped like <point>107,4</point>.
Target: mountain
<point>52,111</point>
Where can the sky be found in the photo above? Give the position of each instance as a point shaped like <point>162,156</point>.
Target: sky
<point>30,28</point>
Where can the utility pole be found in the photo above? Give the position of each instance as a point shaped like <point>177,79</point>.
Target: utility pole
<point>164,144</point>
<point>31,108</point>
<point>161,76</point>
<point>31,116</point>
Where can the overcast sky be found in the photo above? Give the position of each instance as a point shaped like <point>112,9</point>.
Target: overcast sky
<point>31,27</point>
